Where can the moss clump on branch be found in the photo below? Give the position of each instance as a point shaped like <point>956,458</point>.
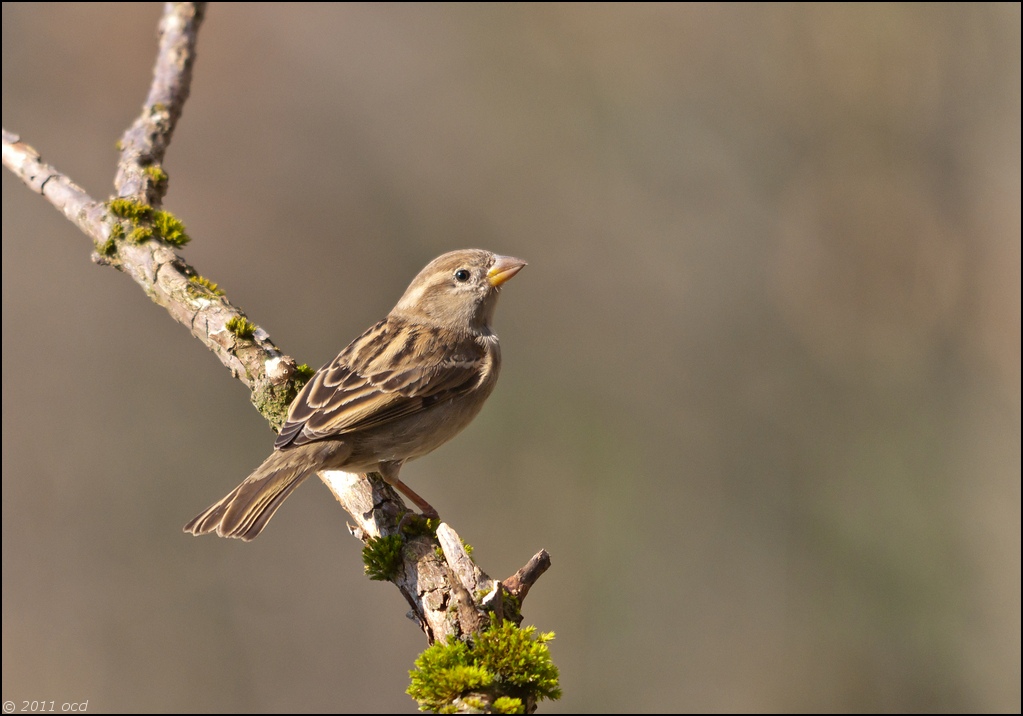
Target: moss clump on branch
<point>416,525</point>
<point>130,209</point>
<point>169,228</point>
<point>198,284</point>
<point>156,174</point>
<point>382,557</point>
<point>508,705</point>
<point>443,673</point>
<point>140,234</point>
<point>272,401</point>
<point>241,327</point>
<point>303,373</point>
<point>510,664</point>
<point>147,222</point>
<point>109,247</point>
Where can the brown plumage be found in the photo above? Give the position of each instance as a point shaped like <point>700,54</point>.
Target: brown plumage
<point>400,390</point>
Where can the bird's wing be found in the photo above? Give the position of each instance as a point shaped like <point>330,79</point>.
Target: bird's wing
<point>392,370</point>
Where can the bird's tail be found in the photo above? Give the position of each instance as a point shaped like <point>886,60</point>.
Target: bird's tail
<point>244,512</point>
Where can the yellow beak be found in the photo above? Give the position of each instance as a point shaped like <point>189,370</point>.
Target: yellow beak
<point>503,269</point>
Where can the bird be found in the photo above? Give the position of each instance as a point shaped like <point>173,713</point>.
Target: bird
<point>407,385</point>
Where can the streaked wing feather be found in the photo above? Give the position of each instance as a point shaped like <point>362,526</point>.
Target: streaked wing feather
<point>360,388</point>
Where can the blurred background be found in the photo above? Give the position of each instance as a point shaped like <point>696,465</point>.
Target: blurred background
<point>761,385</point>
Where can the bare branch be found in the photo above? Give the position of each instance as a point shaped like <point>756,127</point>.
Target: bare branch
<point>519,583</point>
<point>68,198</point>
<point>139,175</point>
<point>469,574</point>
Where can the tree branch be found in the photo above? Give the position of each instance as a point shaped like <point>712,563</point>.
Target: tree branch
<point>128,243</point>
<point>168,280</point>
<point>444,587</point>
<point>143,145</point>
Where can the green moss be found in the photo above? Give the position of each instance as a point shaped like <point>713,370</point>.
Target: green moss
<point>382,557</point>
<point>149,222</point>
<point>512,664</point>
<point>272,401</point>
<point>169,228</point>
<point>156,174</point>
<point>508,705</point>
<point>131,209</point>
<point>303,373</point>
<point>241,327</point>
<point>201,282</point>
<point>443,673</point>
<point>107,248</point>
<point>418,526</point>
<point>511,607</point>
<point>140,234</point>
<point>520,657</point>
<point>477,704</point>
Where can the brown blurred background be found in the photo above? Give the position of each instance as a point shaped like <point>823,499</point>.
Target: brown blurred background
<point>761,395</point>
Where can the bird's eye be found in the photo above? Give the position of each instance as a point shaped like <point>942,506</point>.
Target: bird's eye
<point>462,275</point>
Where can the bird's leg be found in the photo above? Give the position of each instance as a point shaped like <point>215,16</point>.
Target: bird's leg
<point>389,471</point>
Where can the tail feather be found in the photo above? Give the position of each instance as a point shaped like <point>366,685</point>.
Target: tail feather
<point>244,512</point>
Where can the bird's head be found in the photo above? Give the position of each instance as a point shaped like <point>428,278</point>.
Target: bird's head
<point>458,290</point>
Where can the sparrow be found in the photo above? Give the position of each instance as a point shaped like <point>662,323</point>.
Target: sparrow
<point>400,390</point>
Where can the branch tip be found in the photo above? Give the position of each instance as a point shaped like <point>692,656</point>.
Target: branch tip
<point>518,584</point>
